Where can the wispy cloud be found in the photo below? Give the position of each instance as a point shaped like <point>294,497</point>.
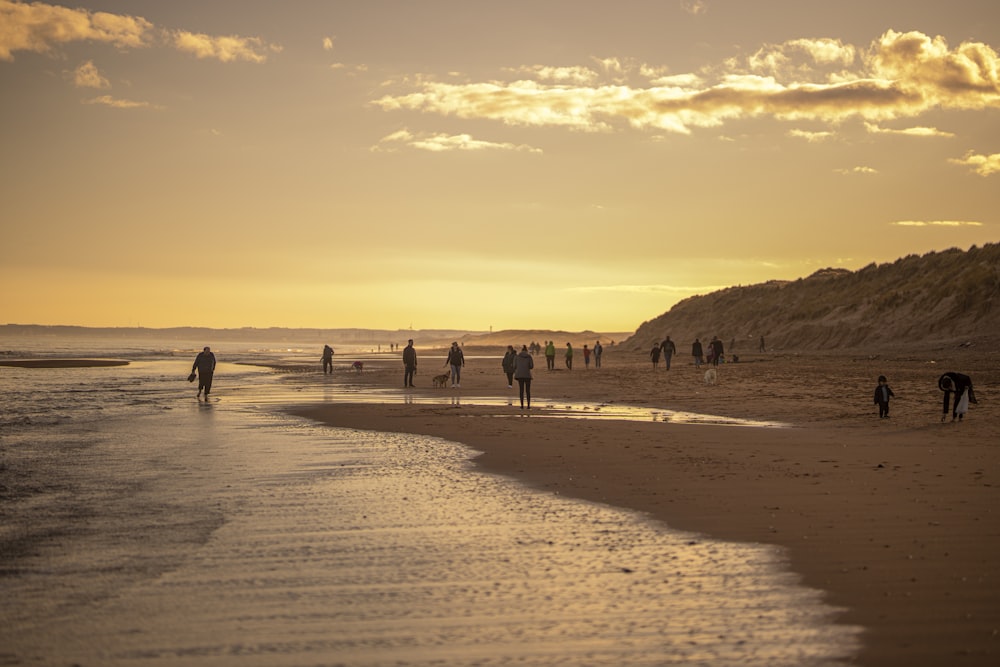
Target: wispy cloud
<point>984,165</point>
<point>873,128</point>
<point>857,170</point>
<point>40,28</point>
<point>226,49</point>
<point>937,223</point>
<point>118,103</point>
<point>328,43</point>
<point>899,75</point>
<point>811,137</point>
<point>438,143</point>
<point>694,6</point>
<point>88,76</point>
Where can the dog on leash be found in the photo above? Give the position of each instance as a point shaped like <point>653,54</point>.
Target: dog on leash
<point>441,380</point>
<point>358,366</point>
<point>711,376</point>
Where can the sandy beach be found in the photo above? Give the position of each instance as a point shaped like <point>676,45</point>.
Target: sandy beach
<point>896,519</point>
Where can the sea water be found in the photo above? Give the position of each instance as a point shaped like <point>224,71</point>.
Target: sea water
<point>143,527</point>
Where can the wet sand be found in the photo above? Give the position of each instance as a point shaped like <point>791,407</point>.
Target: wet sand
<point>896,519</point>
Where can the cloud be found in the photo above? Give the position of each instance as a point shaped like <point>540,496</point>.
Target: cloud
<point>694,7</point>
<point>87,76</point>
<point>873,128</point>
<point>811,137</point>
<point>225,49</point>
<point>38,28</point>
<point>984,165</point>
<point>937,223</point>
<point>857,170</point>
<point>900,75</point>
<point>438,143</point>
<point>327,43</point>
<point>108,100</point>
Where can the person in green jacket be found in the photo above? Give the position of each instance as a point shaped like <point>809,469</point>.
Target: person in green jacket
<point>550,355</point>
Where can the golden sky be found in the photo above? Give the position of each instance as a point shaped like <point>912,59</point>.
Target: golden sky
<point>456,164</point>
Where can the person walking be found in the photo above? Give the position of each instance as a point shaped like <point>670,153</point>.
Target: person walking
<point>409,363</point>
<point>327,359</point>
<point>960,385</point>
<point>697,352</point>
<point>204,363</point>
<point>598,351</point>
<point>456,359</point>
<point>550,355</point>
<point>509,358</point>
<point>586,356</point>
<point>522,373</point>
<point>717,350</point>
<point>882,395</point>
<point>654,355</point>
<point>569,357</point>
<point>668,349</point>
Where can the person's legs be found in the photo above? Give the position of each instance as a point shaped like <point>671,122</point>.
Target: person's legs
<point>520,391</point>
<point>527,391</point>
<point>456,375</point>
<point>207,383</point>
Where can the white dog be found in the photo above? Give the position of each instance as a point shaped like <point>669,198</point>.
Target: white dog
<point>711,376</point>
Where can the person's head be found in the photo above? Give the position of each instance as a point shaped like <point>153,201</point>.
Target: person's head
<point>409,342</point>
<point>207,349</point>
<point>881,379</point>
<point>947,384</point>
<point>524,348</point>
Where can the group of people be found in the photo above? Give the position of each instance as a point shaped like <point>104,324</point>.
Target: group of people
<point>667,349</point>
<point>957,388</point>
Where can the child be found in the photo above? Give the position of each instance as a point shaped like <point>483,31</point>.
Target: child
<point>882,395</point>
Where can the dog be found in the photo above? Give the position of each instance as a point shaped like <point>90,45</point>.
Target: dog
<point>711,376</point>
<point>358,366</point>
<point>441,380</point>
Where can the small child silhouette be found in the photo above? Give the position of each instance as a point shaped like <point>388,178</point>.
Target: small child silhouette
<point>882,395</point>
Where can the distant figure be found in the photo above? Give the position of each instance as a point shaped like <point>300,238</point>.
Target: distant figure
<point>716,350</point>
<point>508,365</point>
<point>762,347</point>
<point>327,359</point>
<point>204,363</point>
<point>550,355</point>
<point>668,349</point>
<point>569,357</point>
<point>654,355</point>
<point>409,363</point>
<point>961,386</point>
<point>882,395</point>
<point>456,359</point>
<point>598,351</point>
<point>697,353</point>
<point>522,372</point>
<point>586,356</point>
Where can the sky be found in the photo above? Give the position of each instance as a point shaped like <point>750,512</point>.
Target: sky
<point>573,165</point>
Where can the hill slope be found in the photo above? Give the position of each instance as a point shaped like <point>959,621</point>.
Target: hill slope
<point>940,297</point>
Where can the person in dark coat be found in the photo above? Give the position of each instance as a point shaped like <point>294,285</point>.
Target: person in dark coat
<point>508,365</point>
<point>327,359</point>
<point>204,363</point>
<point>882,395</point>
<point>523,364</point>
<point>961,386</point>
<point>409,363</point>
<point>697,352</point>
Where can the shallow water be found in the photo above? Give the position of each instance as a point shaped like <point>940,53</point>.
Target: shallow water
<point>169,531</point>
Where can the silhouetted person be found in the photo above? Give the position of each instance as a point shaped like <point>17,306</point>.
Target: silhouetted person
<point>327,359</point>
<point>960,385</point>
<point>204,363</point>
<point>882,395</point>
<point>409,363</point>
<point>668,349</point>
<point>522,373</point>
